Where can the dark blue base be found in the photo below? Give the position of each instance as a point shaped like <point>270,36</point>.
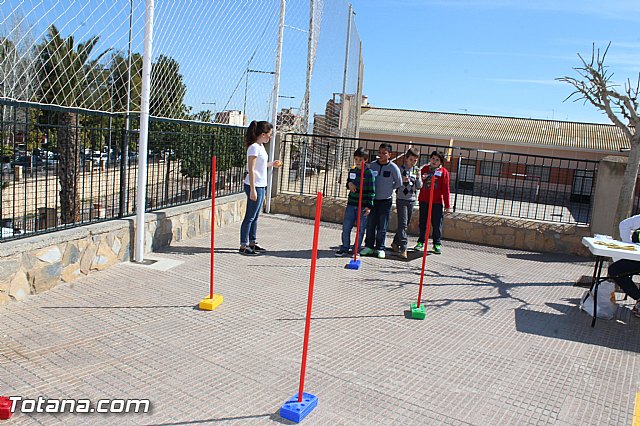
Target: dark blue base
<point>297,411</point>
<point>354,264</point>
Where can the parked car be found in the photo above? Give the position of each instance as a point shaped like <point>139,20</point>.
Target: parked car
<point>131,155</point>
<point>99,157</point>
<point>28,162</point>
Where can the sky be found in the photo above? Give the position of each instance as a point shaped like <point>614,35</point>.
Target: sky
<point>492,57</point>
<point>487,57</point>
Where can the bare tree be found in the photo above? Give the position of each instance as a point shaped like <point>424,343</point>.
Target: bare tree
<point>596,87</point>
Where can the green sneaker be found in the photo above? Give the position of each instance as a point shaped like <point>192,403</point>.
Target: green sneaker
<point>367,251</point>
<point>437,248</point>
<point>419,247</point>
<point>381,254</point>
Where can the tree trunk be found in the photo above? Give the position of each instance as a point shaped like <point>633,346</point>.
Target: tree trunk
<point>68,169</point>
<point>625,204</point>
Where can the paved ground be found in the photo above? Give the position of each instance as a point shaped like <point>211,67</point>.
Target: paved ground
<point>503,342</point>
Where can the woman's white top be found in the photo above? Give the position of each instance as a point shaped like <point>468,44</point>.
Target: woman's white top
<point>260,171</point>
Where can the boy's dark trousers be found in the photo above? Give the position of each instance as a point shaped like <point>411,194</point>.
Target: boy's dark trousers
<point>437,218</point>
<point>405,211</point>
<point>378,220</point>
<point>620,271</point>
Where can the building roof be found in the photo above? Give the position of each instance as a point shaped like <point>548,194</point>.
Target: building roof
<point>552,133</point>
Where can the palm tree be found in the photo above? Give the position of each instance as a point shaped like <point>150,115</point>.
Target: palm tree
<point>64,78</point>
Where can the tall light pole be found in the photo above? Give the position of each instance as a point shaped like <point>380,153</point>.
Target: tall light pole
<point>287,97</point>
<point>274,110</point>
<point>124,151</point>
<point>144,132</point>
<point>246,86</point>
<point>341,120</point>
<point>310,61</point>
<point>214,109</point>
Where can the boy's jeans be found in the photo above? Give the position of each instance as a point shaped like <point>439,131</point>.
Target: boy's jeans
<point>405,210</point>
<point>249,227</point>
<point>378,220</point>
<point>351,220</point>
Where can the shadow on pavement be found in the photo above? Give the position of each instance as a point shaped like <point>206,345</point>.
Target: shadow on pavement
<point>298,254</point>
<point>120,307</point>
<point>549,257</point>
<point>345,317</point>
<point>572,324</point>
<point>274,417</point>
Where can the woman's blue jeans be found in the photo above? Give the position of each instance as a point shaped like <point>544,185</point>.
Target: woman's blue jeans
<point>249,227</point>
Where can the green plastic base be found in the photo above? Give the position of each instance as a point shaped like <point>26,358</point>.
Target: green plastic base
<point>418,313</point>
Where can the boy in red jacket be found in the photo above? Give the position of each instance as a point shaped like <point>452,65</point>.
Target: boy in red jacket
<point>436,173</point>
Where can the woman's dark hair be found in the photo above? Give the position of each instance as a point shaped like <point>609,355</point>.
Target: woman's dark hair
<point>255,129</point>
<point>439,155</point>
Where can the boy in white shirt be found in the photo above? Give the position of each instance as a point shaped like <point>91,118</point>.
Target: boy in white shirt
<point>622,271</point>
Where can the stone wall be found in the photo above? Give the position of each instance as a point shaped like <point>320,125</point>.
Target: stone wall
<point>39,263</point>
<point>473,228</point>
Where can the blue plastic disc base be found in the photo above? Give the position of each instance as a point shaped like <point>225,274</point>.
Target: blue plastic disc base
<point>297,411</point>
<point>354,264</point>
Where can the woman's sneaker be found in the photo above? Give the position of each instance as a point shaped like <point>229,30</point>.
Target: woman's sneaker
<point>381,254</point>
<point>341,253</point>
<point>248,251</point>
<point>257,247</point>
<point>419,247</point>
<point>437,249</point>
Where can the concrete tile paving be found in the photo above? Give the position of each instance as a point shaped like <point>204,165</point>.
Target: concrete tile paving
<point>503,342</point>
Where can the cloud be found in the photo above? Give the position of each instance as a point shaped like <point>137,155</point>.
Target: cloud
<point>628,10</point>
<point>525,81</point>
<point>520,54</point>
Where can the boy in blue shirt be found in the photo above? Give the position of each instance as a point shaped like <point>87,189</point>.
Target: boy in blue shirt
<point>387,179</point>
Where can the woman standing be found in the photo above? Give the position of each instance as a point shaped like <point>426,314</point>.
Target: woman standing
<point>255,184</point>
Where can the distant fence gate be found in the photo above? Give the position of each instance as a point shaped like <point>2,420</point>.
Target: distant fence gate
<point>498,183</point>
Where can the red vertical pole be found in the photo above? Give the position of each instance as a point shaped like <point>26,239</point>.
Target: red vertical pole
<point>357,244</point>
<point>312,277</point>
<point>213,218</point>
<point>426,237</point>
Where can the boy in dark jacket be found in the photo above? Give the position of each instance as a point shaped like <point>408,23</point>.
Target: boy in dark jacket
<point>406,197</point>
<point>351,211</point>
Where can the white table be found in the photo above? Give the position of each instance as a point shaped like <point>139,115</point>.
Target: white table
<point>602,252</point>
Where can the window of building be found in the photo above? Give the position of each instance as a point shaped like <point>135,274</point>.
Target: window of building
<point>490,168</point>
<point>538,172</point>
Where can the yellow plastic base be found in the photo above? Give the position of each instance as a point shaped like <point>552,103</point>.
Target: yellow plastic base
<point>208,304</point>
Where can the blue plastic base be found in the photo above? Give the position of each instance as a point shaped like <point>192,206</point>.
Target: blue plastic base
<point>297,411</point>
<point>354,264</point>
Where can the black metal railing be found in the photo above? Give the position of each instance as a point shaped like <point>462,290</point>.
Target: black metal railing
<point>63,167</point>
<point>482,181</point>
